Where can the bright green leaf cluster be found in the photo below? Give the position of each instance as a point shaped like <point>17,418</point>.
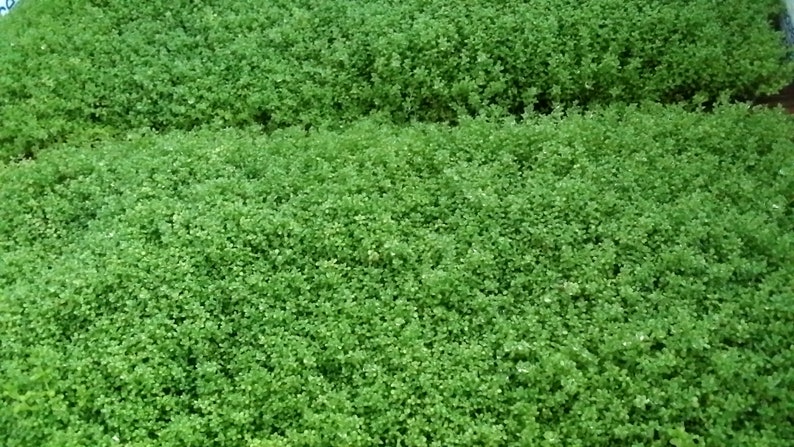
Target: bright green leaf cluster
<point>615,278</point>
<point>92,68</point>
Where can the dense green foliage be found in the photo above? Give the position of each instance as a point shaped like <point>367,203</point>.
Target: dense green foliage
<point>620,276</point>
<point>90,68</point>
<point>610,279</point>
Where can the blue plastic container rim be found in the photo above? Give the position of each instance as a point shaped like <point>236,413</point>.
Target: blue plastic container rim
<point>6,5</point>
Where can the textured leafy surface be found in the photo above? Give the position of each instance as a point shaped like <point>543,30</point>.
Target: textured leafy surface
<point>616,279</point>
<point>92,68</point>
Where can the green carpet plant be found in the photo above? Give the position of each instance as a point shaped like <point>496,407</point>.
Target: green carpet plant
<point>87,69</point>
<point>621,277</point>
<point>395,223</point>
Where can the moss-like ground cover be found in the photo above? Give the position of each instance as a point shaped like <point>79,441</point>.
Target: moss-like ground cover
<point>614,278</point>
<point>82,69</point>
<point>345,223</point>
